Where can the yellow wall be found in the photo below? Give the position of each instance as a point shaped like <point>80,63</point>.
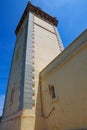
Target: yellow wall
<point>70,81</point>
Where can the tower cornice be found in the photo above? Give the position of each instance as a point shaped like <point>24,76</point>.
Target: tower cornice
<point>39,13</point>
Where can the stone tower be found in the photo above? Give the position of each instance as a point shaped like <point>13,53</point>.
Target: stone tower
<point>37,44</point>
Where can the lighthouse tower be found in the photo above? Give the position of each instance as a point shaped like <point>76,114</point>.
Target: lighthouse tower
<point>37,44</point>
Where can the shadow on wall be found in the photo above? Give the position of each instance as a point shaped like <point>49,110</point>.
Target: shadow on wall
<point>40,123</point>
<point>0,118</point>
<point>0,121</point>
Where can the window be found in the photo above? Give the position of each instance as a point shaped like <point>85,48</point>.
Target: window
<point>52,91</point>
<point>12,96</point>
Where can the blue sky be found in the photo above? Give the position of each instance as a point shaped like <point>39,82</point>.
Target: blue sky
<point>72,16</point>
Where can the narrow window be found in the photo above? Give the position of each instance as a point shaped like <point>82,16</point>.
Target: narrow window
<point>52,91</point>
<point>12,96</point>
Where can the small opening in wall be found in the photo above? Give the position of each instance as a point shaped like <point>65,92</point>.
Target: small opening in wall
<point>33,94</point>
<point>33,86</point>
<point>52,91</point>
<point>33,57</point>
<point>12,96</point>
<point>33,70</point>
<point>33,77</point>
<point>33,106</point>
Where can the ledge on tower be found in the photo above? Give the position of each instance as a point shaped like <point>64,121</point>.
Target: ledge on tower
<point>37,12</point>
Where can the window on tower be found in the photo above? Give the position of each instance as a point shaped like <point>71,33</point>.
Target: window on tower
<point>12,96</point>
<point>52,92</point>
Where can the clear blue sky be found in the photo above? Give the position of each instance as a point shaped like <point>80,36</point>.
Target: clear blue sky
<point>72,16</point>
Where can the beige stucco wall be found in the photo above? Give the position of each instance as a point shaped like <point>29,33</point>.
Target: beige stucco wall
<point>45,45</point>
<point>70,81</point>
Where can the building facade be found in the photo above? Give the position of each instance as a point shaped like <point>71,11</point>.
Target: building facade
<point>63,88</point>
<point>47,87</point>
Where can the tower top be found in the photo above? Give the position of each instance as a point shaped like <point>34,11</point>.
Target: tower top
<point>39,13</point>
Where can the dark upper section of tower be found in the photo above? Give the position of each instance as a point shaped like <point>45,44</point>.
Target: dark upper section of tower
<point>39,13</point>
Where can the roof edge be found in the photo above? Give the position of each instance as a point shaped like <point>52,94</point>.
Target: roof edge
<point>39,13</point>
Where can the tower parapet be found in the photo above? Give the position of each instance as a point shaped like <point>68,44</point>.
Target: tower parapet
<point>37,12</point>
